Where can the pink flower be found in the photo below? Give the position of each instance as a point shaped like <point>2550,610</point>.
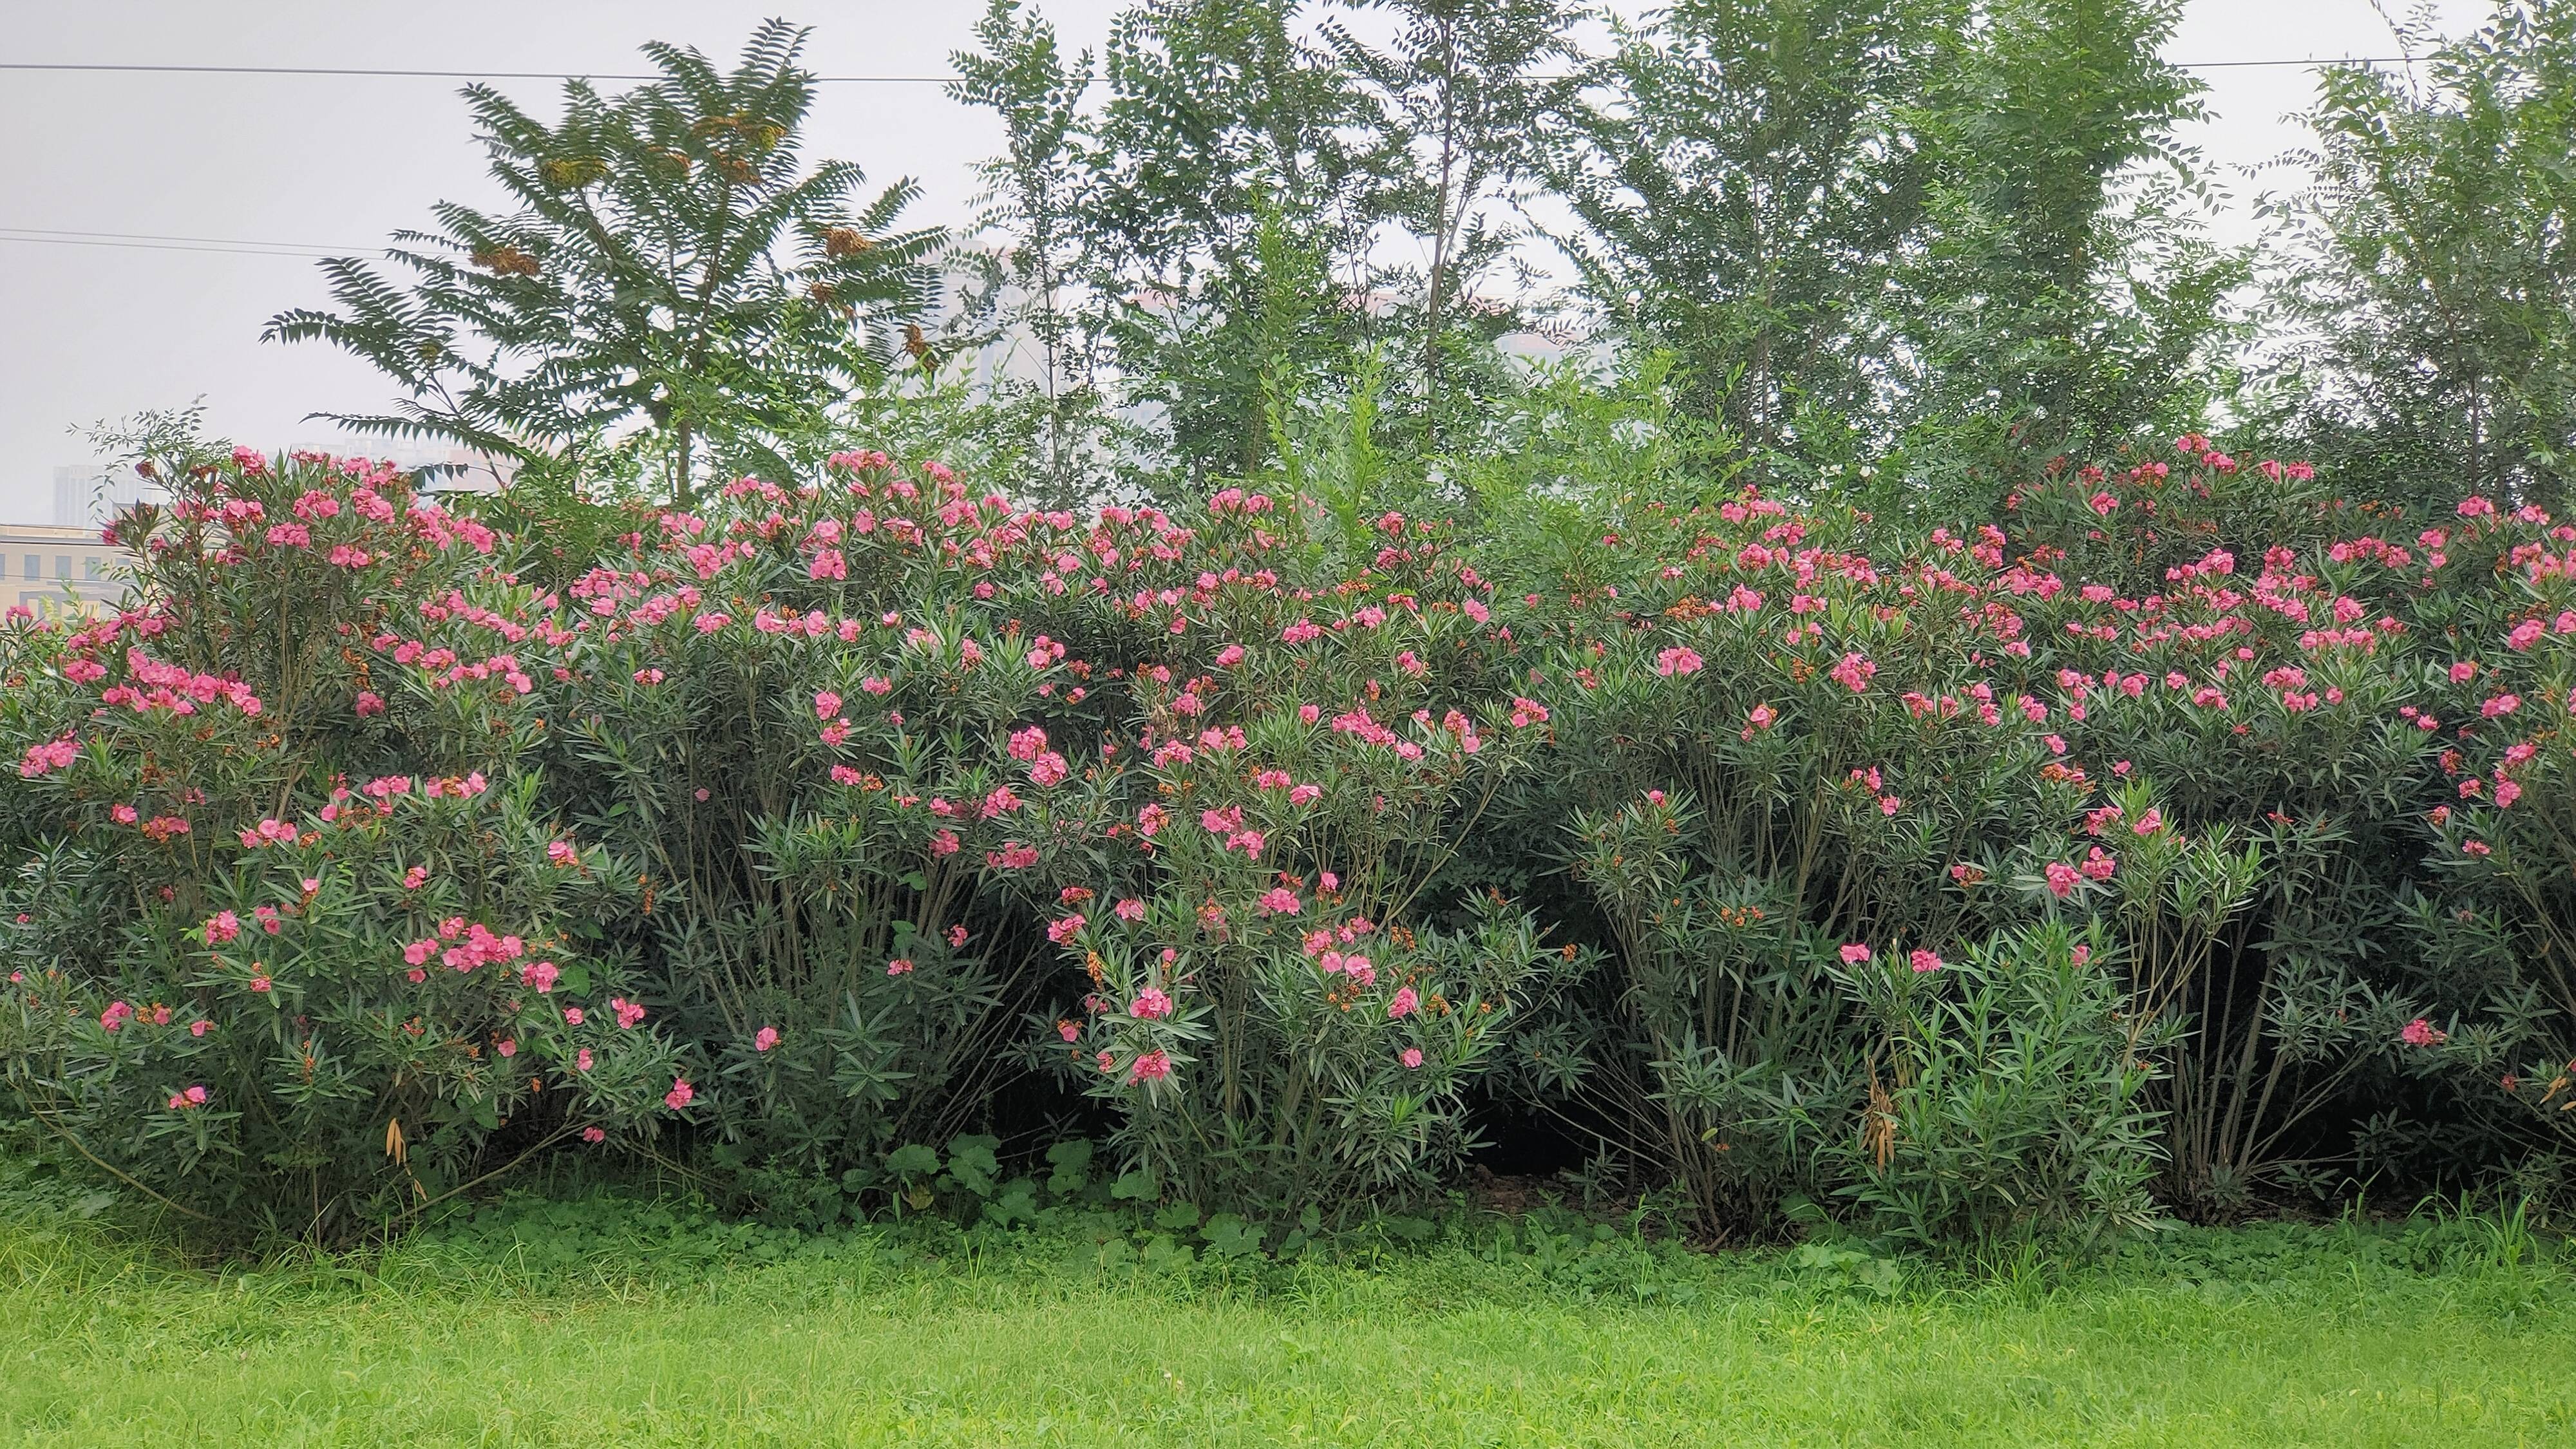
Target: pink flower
<point>2422,1033</point>
<point>1854,953</point>
<point>1678,660</point>
<point>562,854</point>
<point>1279,901</point>
<point>1150,1005</point>
<point>628,1012</point>
<point>116,1015</point>
<point>2099,866</point>
<point>2149,823</point>
<point>765,1038</point>
<point>898,966</point>
<point>1151,1067</point>
<point>1131,910</point>
<point>680,1095</point>
<point>581,1061</point>
<point>268,832</point>
<point>1065,929</point>
<point>1412,1058</point>
<point>593,1134</point>
<point>53,755</point>
<point>224,927</point>
<point>2061,878</point>
<point>2082,954</point>
<point>1854,672</point>
<point>1405,1004</point>
<point>541,976</point>
<point>1923,961</point>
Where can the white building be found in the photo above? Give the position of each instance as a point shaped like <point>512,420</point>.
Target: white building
<point>89,494</point>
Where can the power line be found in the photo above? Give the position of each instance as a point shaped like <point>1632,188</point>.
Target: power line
<point>38,233</point>
<point>303,254</point>
<point>396,73</point>
<point>387,72</point>
<point>2305,64</point>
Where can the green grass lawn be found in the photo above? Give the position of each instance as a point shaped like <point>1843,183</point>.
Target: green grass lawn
<point>538,1334</point>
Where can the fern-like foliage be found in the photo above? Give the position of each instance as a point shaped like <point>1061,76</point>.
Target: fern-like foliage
<point>673,278</point>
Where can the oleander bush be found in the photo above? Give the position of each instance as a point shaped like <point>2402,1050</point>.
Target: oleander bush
<point>2178,840</point>
<point>296,940</point>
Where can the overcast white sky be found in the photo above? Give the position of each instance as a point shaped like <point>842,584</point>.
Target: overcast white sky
<point>90,331</point>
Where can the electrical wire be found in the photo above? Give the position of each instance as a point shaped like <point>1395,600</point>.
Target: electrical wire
<point>224,243</point>
<point>312,254</point>
<point>226,246</point>
<point>393,72</point>
<point>389,72</point>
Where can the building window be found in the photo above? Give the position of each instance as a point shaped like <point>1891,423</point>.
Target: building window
<point>35,567</point>
<point>62,566</point>
<point>94,567</point>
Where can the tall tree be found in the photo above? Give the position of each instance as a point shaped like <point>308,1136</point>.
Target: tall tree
<point>2430,284</point>
<point>1263,206</point>
<point>2060,291</point>
<point>673,285</point>
<point>1230,163</point>
<point>1746,175</point>
<point>1461,90</point>
<point>1034,282</point>
<point>1874,225</point>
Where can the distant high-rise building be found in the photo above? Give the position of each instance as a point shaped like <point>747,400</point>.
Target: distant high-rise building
<point>88,494</point>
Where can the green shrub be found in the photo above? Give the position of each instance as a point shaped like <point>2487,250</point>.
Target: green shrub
<point>870,817</point>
